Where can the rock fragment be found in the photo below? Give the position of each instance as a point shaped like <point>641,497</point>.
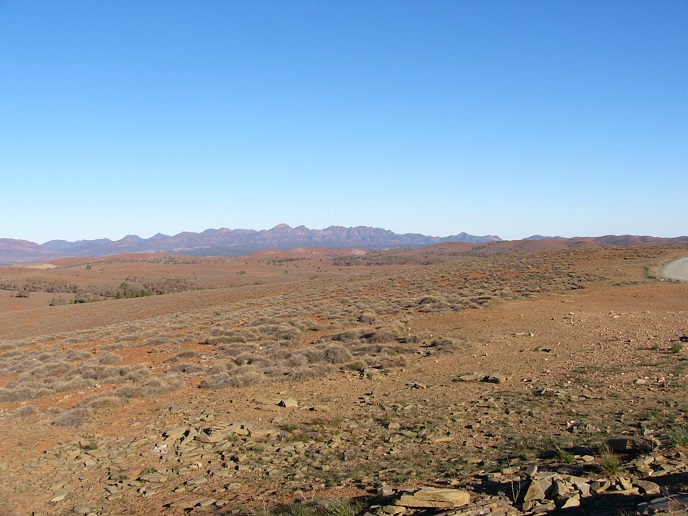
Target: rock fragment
<point>435,498</point>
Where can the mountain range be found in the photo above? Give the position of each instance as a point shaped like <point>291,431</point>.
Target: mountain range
<point>237,242</point>
<point>227,242</point>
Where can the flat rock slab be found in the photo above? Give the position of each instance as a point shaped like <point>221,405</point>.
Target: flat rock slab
<point>470,377</point>
<point>434,498</point>
<point>647,487</point>
<point>59,496</point>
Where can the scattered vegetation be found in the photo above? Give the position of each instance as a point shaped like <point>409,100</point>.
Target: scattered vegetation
<point>134,287</point>
<point>331,507</point>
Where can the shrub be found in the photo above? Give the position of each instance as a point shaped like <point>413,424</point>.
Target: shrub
<point>182,355</point>
<point>49,370</point>
<point>26,411</point>
<point>378,336</point>
<point>100,401</point>
<point>74,355</point>
<point>153,387</point>
<point>20,392</point>
<point>73,417</point>
<point>221,368</point>
<point>678,436</point>
<point>136,373</point>
<point>235,350</point>
<point>330,354</point>
<point>186,368</point>
<point>83,297</point>
<point>238,378</point>
<point>312,371</point>
<point>367,317</point>
<point>443,344</point>
<point>71,384</point>
<point>355,365</point>
<point>297,360</point>
<point>609,461</point>
<point>335,354</point>
<point>109,358</point>
<point>332,507</point>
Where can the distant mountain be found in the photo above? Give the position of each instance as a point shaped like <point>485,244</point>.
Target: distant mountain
<point>540,237</point>
<point>228,242</point>
<point>15,251</point>
<point>237,242</point>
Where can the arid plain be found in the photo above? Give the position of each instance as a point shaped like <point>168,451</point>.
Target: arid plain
<point>345,380</point>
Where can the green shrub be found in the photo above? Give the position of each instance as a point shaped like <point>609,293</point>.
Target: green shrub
<point>678,436</point>
<point>609,461</point>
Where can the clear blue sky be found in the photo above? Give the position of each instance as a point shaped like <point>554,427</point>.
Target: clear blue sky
<point>491,117</point>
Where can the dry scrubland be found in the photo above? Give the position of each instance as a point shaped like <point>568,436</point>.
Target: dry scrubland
<point>332,382</point>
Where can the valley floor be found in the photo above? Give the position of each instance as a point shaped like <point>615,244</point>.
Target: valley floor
<point>459,375</point>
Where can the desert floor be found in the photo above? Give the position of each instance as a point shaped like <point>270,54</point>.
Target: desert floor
<point>309,376</point>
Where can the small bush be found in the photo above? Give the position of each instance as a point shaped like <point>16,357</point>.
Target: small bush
<point>136,373</point>
<point>73,417</point>
<point>26,411</point>
<point>238,378</point>
<point>367,317</point>
<point>186,368</point>
<point>100,401</point>
<point>565,456</point>
<point>443,344</point>
<point>109,358</point>
<point>346,337</point>
<point>74,355</point>
<point>329,354</point>
<point>678,436</point>
<point>332,507</point>
<point>71,384</point>
<point>296,360</point>
<point>355,365</point>
<point>234,350</point>
<point>153,387</point>
<point>83,297</point>
<point>181,356</point>
<point>19,392</point>
<point>609,461</point>
<point>378,336</point>
<point>312,371</point>
<point>221,368</point>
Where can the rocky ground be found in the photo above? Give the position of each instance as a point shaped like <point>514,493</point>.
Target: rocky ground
<point>539,383</point>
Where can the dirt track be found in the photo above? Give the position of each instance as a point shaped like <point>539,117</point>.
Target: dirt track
<point>677,270</point>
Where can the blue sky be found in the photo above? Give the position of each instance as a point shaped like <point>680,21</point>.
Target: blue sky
<point>494,117</point>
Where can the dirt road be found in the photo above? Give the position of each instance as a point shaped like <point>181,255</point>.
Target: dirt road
<point>676,270</point>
